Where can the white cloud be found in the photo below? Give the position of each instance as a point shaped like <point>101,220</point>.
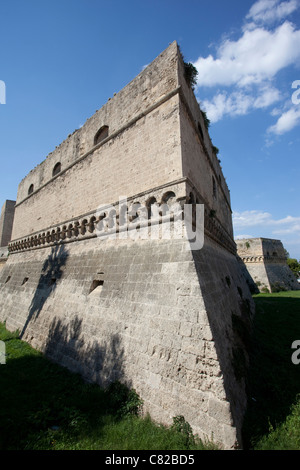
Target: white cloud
<point>271,10</point>
<point>250,218</point>
<point>239,103</point>
<point>251,63</point>
<point>256,218</point>
<point>257,56</point>
<point>286,122</point>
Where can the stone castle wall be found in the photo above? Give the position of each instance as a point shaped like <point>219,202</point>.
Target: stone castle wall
<point>265,264</point>
<point>156,313</point>
<point>147,114</point>
<point>160,319</point>
<point>6,222</point>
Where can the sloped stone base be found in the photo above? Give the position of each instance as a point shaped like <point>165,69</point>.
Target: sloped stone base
<point>170,322</point>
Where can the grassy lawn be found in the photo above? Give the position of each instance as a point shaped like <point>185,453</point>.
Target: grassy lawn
<point>273,418</point>
<point>43,406</point>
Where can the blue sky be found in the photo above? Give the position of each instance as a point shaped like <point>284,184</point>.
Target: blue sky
<point>62,60</point>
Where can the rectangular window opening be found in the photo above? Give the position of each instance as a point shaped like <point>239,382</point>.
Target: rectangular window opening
<point>96,286</point>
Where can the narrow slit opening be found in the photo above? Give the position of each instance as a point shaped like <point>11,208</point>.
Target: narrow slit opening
<point>96,286</point>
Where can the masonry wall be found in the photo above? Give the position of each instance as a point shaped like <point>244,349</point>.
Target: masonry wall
<point>3,256</point>
<point>161,321</point>
<point>199,160</point>
<point>138,118</point>
<point>6,222</point>
<point>155,313</point>
<point>265,262</point>
<point>118,168</point>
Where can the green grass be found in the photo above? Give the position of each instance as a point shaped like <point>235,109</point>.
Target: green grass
<point>44,406</point>
<point>273,417</point>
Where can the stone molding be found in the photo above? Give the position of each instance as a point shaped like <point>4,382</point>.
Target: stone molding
<point>86,225</point>
<point>263,259</point>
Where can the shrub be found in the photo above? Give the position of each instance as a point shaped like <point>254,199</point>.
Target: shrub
<point>125,401</point>
<point>181,426</point>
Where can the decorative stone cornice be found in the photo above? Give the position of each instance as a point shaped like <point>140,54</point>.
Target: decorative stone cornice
<point>113,219</point>
<point>263,259</point>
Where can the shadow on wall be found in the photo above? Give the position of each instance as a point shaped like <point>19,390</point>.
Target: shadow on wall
<point>230,315</point>
<point>100,363</point>
<point>98,360</point>
<point>52,271</point>
<point>248,278</point>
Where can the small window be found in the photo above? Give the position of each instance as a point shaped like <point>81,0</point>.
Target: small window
<point>25,280</point>
<point>101,134</point>
<point>30,190</point>
<point>56,169</point>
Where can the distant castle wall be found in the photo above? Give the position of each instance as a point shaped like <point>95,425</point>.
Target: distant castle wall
<point>6,222</point>
<point>265,264</point>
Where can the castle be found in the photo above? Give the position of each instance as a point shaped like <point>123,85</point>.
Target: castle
<point>85,284</point>
<point>264,263</point>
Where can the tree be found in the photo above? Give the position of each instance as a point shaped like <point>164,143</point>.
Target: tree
<point>294,265</point>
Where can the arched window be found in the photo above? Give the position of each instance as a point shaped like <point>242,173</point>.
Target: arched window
<point>56,169</point>
<point>168,196</point>
<point>30,190</point>
<point>151,201</point>
<point>101,134</point>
